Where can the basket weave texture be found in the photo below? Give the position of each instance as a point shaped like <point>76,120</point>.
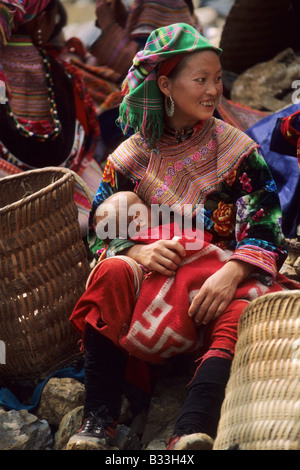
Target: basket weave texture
<point>261,409</point>
<point>250,34</point>
<point>43,270</point>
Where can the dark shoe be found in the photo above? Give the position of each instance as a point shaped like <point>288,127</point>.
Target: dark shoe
<point>98,432</point>
<point>196,441</point>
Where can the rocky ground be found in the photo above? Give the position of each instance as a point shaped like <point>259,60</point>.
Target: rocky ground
<point>145,423</point>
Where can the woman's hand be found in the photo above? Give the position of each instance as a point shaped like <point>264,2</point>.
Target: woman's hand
<point>163,256</point>
<point>218,291</point>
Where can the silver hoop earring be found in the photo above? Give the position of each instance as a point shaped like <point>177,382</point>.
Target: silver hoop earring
<point>39,37</point>
<point>169,109</point>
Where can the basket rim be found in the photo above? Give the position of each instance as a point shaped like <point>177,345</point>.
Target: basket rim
<point>272,295</point>
<point>66,175</point>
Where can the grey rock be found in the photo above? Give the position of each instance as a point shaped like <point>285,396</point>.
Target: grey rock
<point>20,430</point>
<point>69,425</point>
<point>268,85</point>
<point>60,395</point>
<point>164,408</point>
<point>126,438</point>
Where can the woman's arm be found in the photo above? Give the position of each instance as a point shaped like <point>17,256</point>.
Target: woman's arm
<point>258,231</point>
<point>113,48</point>
<point>259,240</point>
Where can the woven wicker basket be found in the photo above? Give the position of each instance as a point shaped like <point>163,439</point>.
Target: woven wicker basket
<point>253,26</point>
<point>261,409</point>
<point>43,270</point>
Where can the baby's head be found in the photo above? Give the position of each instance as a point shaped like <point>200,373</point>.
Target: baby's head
<point>121,215</point>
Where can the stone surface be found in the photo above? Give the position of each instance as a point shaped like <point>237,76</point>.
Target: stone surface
<point>268,86</point>
<point>60,395</point>
<point>69,425</point>
<point>20,430</point>
<point>164,408</point>
<point>126,438</point>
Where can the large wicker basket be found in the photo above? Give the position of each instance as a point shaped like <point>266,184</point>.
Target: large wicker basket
<point>43,270</point>
<point>261,409</point>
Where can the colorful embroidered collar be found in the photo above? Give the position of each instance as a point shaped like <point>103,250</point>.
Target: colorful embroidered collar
<point>183,173</point>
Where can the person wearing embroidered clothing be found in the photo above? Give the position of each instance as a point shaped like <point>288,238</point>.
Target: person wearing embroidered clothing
<point>47,118</point>
<point>124,33</point>
<point>179,156</point>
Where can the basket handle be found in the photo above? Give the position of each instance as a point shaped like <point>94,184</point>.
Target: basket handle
<point>81,182</point>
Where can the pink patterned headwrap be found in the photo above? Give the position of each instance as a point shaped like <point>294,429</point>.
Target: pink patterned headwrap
<point>14,13</point>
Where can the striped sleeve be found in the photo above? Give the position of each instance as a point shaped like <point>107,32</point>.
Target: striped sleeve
<point>261,258</point>
<point>259,237</point>
<point>115,49</point>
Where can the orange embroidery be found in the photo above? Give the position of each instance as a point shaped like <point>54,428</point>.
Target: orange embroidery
<point>109,175</point>
<point>224,219</point>
<point>230,179</point>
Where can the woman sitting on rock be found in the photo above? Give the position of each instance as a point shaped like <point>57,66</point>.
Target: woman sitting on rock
<point>180,156</point>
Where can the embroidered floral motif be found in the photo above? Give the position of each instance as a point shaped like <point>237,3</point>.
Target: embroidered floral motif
<point>220,129</point>
<point>196,156</point>
<point>246,183</point>
<point>271,186</point>
<point>168,179</point>
<point>204,151</point>
<point>242,230</point>
<point>224,219</point>
<point>212,145</point>
<point>159,192</point>
<point>258,215</point>
<point>230,179</point>
<point>171,171</point>
<point>178,166</point>
<point>187,161</point>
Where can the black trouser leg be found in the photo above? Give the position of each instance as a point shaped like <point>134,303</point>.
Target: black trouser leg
<point>201,410</point>
<point>105,367</point>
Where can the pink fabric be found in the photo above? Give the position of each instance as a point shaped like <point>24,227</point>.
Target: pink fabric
<point>17,13</point>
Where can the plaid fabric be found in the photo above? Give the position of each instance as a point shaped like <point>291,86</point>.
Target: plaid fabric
<point>142,108</point>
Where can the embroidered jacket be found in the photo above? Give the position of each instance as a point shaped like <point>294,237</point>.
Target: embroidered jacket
<point>219,167</point>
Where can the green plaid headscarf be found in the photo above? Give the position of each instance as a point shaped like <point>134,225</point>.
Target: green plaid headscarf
<point>142,105</point>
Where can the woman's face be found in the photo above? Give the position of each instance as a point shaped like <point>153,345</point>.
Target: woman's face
<point>195,90</point>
